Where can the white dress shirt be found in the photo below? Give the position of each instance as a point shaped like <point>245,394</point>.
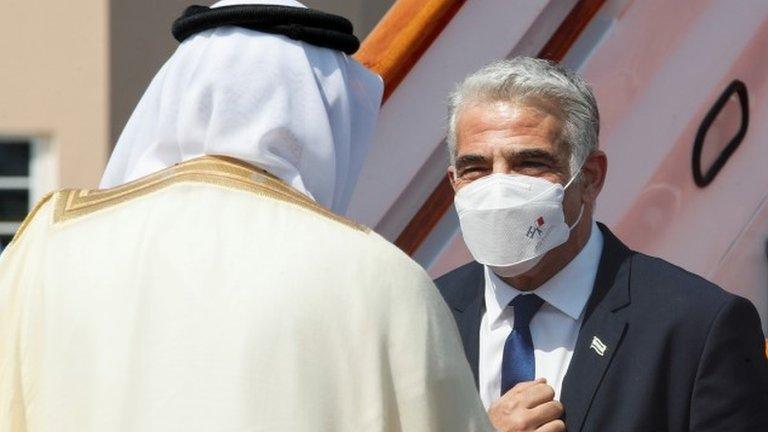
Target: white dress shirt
<point>554,328</point>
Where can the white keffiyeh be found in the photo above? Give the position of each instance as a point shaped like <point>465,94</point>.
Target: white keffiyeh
<point>304,113</point>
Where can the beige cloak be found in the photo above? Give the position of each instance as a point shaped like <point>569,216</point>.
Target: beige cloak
<point>212,297</point>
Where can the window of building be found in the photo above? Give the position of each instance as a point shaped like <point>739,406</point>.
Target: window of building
<point>15,161</point>
<point>25,171</point>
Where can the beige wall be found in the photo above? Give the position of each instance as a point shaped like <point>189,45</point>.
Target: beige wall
<point>72,72</point>
<point>53,81</point>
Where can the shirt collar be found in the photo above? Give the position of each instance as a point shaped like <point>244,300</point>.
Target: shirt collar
<point>568,291</point>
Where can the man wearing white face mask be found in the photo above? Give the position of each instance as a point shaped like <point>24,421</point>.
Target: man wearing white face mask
<point>213,283</point>
<point>563,325</point>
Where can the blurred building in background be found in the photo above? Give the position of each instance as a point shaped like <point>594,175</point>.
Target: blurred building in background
<point>70,77</point>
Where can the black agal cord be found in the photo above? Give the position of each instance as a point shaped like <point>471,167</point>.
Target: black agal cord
<point>306,25</point>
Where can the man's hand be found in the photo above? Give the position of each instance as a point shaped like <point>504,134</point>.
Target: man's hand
<point>528,406</point>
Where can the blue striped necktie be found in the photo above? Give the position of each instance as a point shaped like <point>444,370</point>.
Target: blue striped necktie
<point>518,363</point>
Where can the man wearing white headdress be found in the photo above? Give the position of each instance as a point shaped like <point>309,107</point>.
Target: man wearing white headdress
<point>211,285</point>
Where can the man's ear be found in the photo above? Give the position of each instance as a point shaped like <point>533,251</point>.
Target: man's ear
<point>594,171</point>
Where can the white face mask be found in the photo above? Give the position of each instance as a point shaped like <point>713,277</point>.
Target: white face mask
<point>510,222</point>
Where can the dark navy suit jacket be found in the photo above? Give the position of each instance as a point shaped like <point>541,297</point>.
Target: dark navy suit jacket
<point>682,354</point>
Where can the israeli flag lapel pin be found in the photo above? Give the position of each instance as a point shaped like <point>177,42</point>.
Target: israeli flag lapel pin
<point>598,346</point>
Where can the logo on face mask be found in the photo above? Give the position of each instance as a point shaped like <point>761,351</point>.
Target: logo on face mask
<point>535,229</point>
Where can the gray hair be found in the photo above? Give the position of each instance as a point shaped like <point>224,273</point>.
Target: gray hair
<point>525,80</point>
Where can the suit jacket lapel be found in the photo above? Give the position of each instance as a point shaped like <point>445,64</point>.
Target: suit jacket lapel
<point>588,366</point>
<point>601,331</point>
<point>470,333</point>
<point>468,309</point>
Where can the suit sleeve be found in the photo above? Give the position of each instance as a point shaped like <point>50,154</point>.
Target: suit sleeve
<point>731,387</point>
<point>433,382</point>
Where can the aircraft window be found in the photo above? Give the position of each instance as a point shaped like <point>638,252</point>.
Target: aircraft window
<point>728,117</point>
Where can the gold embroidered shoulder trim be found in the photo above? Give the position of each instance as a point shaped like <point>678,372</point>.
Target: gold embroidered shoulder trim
<point>30,216</point>
<point>216,170</point>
